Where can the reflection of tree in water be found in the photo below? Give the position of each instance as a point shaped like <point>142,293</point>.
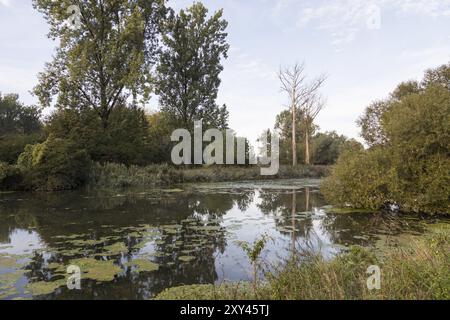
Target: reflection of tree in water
<point>287,208</point>
<point>95,216</point>
<point>365,229</point>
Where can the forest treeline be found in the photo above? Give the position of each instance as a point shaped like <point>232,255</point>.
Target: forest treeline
<point>103,73</point>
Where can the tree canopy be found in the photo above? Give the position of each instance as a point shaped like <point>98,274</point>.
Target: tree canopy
<point>190,64</point>
<point>103,60</point>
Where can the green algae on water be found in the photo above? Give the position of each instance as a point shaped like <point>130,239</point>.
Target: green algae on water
<point>96,270</point>
<point>116,248</point>
<point>144,265</point>
<point>43,287</point>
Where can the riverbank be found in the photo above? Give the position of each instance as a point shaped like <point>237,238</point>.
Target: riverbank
<point>119,176</point>
<point>417,271</point>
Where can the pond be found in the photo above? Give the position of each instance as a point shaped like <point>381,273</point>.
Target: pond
<point>133,244</point>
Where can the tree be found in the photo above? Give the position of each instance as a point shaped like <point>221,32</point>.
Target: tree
<point>15,118</point>
<point>19,125</point>
<point>188,72</point>
<point>104,59</point>
<point>283,126</point>
<point>300,92</point>
<point>56,164</point>
<point>159,132</point>
<point>125,140</point>
<point>409,166</point>
<point>311,109</point>
<point>372,121</point>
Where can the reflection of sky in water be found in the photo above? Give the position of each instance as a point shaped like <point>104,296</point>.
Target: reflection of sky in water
<point>22,242</point>
<point>245,214</point>
<point>251,224</point>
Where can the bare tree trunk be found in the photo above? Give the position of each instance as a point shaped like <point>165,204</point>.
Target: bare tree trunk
<point>294,140</point>
<point>307,161</point>
<point>303,97</point>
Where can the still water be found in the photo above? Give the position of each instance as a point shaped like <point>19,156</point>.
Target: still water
<point>133,244</point>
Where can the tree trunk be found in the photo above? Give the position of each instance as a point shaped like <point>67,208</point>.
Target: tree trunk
<point>294,142</point>
<point>307,161</point>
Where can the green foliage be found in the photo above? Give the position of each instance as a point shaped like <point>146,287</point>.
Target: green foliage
<point>125,140</point>
<point>283,126</point>
<point>104,60</point>
<point>159,133</point>
<point>19,126</point>
<point>113,175</point>
<point>190,65</point>
<point>55,164</point>
<point>419,134</point>
<point>225,291</point>
<point>408,161</point>
<point>15,118</point>
<point>12,145</point>
<point>253,251</point>
<point>359,179</point>
<point>118,175</point>
<point>10,176</point>
<point>327,147</point>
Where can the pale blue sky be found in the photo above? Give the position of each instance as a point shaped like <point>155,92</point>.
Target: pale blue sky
<point>363,56</point>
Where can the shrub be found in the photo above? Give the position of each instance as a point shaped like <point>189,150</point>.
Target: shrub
<point>56,164</point>
<point>10,176</point>
<point>359,179</point>
<point>12,145</point>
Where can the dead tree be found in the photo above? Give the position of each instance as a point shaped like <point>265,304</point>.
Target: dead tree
<point>299,91</point>
<point>310,110</point>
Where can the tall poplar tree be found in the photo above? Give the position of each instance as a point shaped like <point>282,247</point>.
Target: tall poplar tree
<point>188,73</point>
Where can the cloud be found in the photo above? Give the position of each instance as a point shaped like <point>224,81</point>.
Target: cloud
<point>345,19</point>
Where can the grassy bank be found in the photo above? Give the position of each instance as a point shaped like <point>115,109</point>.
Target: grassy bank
<point>418,271</point>
<point>117,175</point>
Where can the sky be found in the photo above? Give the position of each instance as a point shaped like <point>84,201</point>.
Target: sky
<point>364,47</point>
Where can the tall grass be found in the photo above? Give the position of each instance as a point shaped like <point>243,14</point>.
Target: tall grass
<point>113,175</point>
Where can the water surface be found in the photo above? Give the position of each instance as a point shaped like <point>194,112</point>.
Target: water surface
<point>133,244</point>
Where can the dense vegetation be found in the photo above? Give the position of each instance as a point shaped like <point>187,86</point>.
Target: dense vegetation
<point>98,83</point>
<point>325,147</point>
<point>407,164</point>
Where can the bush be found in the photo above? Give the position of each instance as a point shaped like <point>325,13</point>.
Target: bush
<point>56,164</point>
<point>359,179</point>
<point>124,140</point>
<point>12,145</point>
<point>10,176</point>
